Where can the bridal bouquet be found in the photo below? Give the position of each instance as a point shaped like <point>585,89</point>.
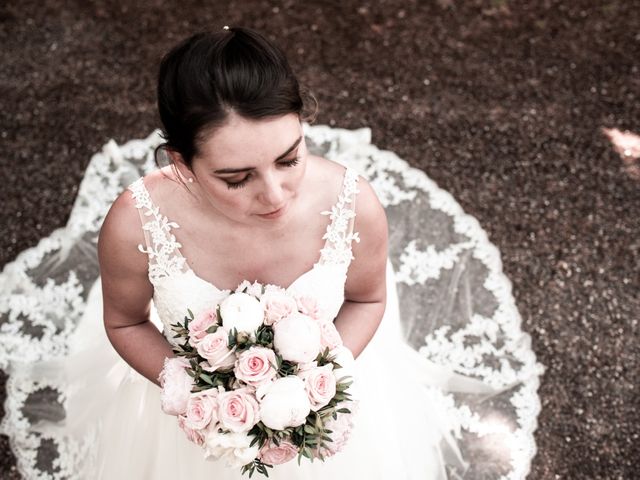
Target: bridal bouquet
<point>260,378</point>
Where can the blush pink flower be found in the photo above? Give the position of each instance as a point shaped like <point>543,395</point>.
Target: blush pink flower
<point>255,366</point>
<point>202,409</point>
<point>194,436</point>
<point>341,429</point>
<point>238,410</point>
<point>199,325</point>
<point>309,306</point>
<point>276,455</point>
<point>276,306</point>
<point>320,385</point>
<point>329,335</point>
<point>214,347</point>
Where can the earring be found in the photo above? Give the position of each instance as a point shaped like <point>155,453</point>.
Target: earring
<point>190,180</point>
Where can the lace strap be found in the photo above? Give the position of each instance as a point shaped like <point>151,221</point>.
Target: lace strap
<point>340,234</point>
<point>161,245</point>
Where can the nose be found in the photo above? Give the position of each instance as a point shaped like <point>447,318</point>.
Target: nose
<point>272,192</point>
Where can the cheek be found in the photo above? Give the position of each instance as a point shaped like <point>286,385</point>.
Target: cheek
<point>297,176</point>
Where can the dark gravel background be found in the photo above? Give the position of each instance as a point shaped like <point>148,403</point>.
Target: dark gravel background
<point>503,103</point>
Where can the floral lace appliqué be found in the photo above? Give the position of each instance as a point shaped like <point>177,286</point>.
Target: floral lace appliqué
<point>162,246</point>
<point>339,234</point>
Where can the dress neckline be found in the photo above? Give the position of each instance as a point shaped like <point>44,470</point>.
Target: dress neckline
<point>187,270</point>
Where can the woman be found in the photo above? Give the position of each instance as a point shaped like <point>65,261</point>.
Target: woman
<point>243,199</point>
<point>247,197</point>
<point>241,147</point>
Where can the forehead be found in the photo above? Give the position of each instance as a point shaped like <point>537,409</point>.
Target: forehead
<point>243,142</point>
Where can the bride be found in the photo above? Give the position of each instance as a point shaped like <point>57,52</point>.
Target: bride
<point>243,199</point>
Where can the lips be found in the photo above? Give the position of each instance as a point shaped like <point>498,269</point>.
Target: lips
<point>275,213</point>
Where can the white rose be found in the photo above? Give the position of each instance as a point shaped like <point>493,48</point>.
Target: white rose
<point>283,403</point>
<point>231,447</point>
<point>241,311</point>
<point>297,338</point>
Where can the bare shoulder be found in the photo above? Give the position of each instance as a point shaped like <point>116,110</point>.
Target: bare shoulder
<point>121,230</point>
<point>122,227</point>
<point>123,267</point>
<point>327,177</point>
<point>370,214</point>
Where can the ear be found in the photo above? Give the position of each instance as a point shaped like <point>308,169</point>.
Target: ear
<point>179,164</point>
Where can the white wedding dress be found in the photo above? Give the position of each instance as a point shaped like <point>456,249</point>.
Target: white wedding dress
<point>75,409</point>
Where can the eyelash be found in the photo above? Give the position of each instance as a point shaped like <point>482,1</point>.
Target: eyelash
<point>243,182</point>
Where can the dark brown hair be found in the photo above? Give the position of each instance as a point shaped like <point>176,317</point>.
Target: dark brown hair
<point>211,74</point>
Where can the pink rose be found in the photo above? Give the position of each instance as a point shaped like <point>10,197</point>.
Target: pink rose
<point>202,409</point>
<point>254,366</point>
<point>215,348</point>
<point>199,325</point>
<point>329,335</point>
<point>320,385</point>
<point>238,410</point>
<point>275,455</point>
<point>194,436</point>
<point>308,305</point>
<point>176,385</point>
<point>276,306</point>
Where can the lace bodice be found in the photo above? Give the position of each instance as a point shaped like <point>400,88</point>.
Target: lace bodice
<point>178,288</point>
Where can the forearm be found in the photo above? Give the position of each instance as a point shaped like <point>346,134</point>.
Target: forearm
<point>357,323</point>
<point>143,347</point>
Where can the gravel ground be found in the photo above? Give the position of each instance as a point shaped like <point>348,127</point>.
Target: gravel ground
<point>502,103</point>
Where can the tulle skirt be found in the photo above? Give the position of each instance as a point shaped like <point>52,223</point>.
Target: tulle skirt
<point>401,429</point>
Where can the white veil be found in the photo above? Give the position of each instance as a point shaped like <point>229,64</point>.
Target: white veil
<point>455,303</point>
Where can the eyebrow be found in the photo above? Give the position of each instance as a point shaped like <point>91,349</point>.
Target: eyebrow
<point>246,169</point>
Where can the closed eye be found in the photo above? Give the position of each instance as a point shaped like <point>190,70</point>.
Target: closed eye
<point>287,163</point>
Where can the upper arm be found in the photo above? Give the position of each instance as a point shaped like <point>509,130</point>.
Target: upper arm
<point>126,289</point>
<point>366,279</point>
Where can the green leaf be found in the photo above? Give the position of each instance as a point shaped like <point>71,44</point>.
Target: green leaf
<point>212,329</point>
